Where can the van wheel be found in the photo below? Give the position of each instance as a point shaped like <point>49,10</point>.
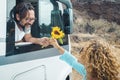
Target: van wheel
<point>68,78</point>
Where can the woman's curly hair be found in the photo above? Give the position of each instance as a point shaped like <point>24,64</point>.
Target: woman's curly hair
<point>100,62</point>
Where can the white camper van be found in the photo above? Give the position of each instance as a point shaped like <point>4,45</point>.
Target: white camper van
<point>27,61</point>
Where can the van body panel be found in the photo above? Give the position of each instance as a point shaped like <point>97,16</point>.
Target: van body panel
<point>50,69</point>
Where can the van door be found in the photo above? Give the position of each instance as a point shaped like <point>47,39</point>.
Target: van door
<point>27,61</point>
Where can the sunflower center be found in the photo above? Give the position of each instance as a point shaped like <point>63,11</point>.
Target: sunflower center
<point>57,33</point>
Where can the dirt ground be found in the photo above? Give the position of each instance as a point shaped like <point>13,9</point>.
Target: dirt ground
<point>76,42</point>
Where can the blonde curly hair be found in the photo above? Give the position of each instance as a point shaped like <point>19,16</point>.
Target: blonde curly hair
<point>99,61</point>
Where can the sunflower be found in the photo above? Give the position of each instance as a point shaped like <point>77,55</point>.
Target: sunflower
<point>57,34</point>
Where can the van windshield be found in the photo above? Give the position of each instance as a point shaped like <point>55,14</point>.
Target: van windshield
<point>50,15</point>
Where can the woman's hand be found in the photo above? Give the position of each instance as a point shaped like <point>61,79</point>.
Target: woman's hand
<point>54,43</point>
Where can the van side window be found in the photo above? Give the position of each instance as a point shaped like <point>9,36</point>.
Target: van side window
<point>46,18</point>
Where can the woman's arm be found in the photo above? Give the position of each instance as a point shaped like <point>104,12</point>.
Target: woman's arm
<point>72,61</point>
<point>69,59</point>
<point>54,43</point>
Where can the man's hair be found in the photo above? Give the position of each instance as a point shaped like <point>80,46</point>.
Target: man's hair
<point>21,9</point>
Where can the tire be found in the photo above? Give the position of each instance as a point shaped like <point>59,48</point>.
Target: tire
<point>68,78</point>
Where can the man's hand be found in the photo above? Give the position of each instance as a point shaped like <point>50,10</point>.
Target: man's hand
<point>44,41</point>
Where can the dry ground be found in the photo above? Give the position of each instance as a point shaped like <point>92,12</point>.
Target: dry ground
<point>99,28</point>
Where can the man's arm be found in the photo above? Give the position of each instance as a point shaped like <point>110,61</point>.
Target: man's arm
<point>42,41</point>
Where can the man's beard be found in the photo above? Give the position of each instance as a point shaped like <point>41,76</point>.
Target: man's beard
<point>23,26</point>
<point>28,25</point>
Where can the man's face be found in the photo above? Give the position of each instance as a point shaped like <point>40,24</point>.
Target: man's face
<point>28,20</point>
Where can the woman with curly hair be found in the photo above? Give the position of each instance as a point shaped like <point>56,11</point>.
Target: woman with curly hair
<point>97,58</point>
<point>99,61</point>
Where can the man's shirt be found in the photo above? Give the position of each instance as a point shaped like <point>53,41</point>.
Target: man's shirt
<point>19,34</point>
